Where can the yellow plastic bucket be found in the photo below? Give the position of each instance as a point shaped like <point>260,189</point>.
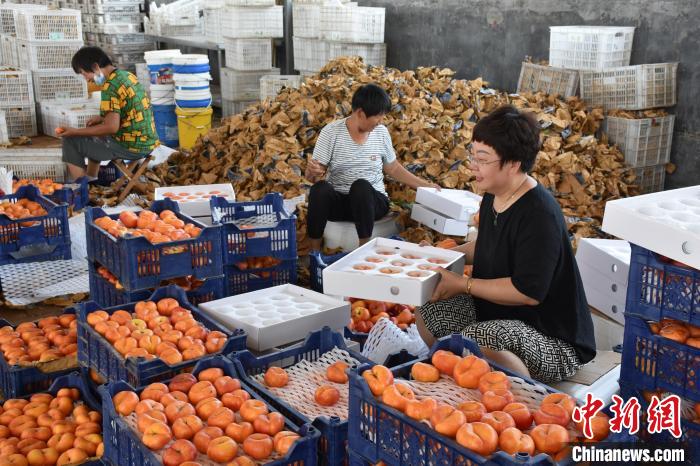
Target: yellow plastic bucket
<point>192,123</point>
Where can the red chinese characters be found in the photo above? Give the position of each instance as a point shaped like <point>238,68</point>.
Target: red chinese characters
<point>665,415</point>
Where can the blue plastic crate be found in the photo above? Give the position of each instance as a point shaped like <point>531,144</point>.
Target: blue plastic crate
<point>95,352</point>
<point>138,264</point>
<point>18,381</point>
<point>658,290</point>
<point>650,361</point>
<point>76,195</point>
<point>108,174</point>
<point>318,262</point>
<point>106,294</point>
<point>243,281</point>
<point>124,447</point>
<point>255,229</point>
<point>48,239</point>
<point>334,431</point>
<point>378,432</point>
<point>690,438</point>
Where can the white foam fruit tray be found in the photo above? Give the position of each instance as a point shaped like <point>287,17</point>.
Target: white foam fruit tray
<point>667,223</point>
<point>194,200</point>
<point>438,222</point>
<point>390,270</point>
<point>454,203</point>
<point>279,315</point>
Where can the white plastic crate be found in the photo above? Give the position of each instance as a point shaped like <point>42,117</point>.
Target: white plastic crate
<point>9,13</point>
<point>650,179</point>
<point>246,23</point>
<point>127,58</point>
<point>248,54</point>
<point>242,85</point>
<point>249,2</point>
<point>49,25</point>
<point>590,47</point>
<point>4,139</point>
<point>270,85</point>
<point>75,115</point>
<point>631,87</point>
<point>59,85</point>
<point>115,7</point>
<point>306,20</point>
<point>21,121</point>
<point>117,18</point>
<point>38,166</point>
<point>644,141</point>
<point>15,87</point>
<point>211,19</point>
<point>8,50</point>
<point>310,54</point>
<point>352,23</point>
<point>372,54</point>
<point>234,107</point>
<point>116,28</point>
<point>548,79</point>
<point>37,56</point>
<point>124,39</point>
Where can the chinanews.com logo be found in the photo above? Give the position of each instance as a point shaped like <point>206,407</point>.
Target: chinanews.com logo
<point>663,416</point>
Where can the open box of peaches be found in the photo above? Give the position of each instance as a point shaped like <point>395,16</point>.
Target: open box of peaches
<point>205,417</point>
<point>450,409</point>
<point>194,200</point>
<point>390,270</point>
<point>34,354</point>
<point>150,340</point>
<point>61,426</point>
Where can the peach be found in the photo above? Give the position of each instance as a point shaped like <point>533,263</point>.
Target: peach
<point>276,377</point>
<point>479,437</point>
<point>378,378</point>
<point>499,420</point>
<point>513,441</point>
<point>493,380</point>
<point>179,452</point>
<point>222,449</point>
<point>425,372</point>
<point>549,438</point>
<point>520,414</point>
<point>469,370</point>
<point>496,400</point>
<point>206,435</point>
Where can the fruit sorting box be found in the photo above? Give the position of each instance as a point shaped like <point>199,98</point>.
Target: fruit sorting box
<point>667,222</point>
<point>334,430</point>
<point>123,444</point>
<point>439,222</point>
<point>47,239</point>
<point>277,316</point>
<point>17,381</point>
<point>255,229</point>
<point>454,203</point>
<point>95,352</point>
<point>138,264</point>
<point>378,432</point>
<point>106,294</point>
<point>194,200</point>
<point>390,270</point>
<point>653,362</point>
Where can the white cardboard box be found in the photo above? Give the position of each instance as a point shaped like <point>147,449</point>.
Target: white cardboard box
<point>279,315</point>
<point>667,223</point>
<point>454,203</point>
<point>194,200</point>
<point>607,300</point>
<point>608,333</point>
<point>410,280</point>
<point>438,222</point>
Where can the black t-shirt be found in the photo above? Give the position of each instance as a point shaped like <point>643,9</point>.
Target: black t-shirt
<point>531,245</point>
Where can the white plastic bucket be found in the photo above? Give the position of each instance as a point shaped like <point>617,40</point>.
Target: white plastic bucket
<point>185,77</point>
<point>162,94</point>
<point>191,59</point>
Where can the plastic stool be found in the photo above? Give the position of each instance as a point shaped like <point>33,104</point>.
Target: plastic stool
<point>343,235</point>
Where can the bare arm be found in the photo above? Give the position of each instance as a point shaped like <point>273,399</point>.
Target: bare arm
<point>108,126</point>
<point>397,171</point>
<point>499,290</point>
<point>468,250</point>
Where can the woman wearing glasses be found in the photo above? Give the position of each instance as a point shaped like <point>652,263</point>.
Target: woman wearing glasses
<point>524,304</point>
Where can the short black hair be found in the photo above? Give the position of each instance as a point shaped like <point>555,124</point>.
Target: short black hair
<point>85,58</point>
<point>372,99</point>
<point>513,134</point>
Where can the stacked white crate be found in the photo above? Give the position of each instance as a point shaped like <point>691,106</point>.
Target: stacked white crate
<point>602,57</point>
<point>448,211</point>
<point>17,101</point>
<point>116,27</point>
<point>8,39</point>
<point>324,30</point>
<point>178,18</point>
<point>248,28</point>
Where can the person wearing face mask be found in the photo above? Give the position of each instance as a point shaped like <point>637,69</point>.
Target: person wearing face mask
<point>125,128</point>
<point>524,303</point>
<point>348,165</point>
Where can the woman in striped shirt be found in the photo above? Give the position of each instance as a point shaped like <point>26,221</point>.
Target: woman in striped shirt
<point>348,165</point>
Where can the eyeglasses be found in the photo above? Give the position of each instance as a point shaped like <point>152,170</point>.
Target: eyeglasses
<point>474,161</point>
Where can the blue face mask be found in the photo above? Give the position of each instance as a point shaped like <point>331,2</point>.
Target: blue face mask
<point>99,79</point>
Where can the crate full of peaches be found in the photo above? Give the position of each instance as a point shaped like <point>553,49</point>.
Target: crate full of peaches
<point>143,248</point>
<point>150,340</point>
<point>205,417</point>
<point>465,407</point>
<point>36,353</point>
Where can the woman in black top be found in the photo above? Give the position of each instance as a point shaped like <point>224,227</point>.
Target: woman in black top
<point>524,304</point>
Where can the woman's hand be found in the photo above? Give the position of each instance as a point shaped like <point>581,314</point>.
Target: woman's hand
<point>314,170</point>
<point>67,132</point>
<point>450,285</point>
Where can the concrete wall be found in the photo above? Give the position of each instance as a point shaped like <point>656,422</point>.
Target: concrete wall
<point>489,38</point>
